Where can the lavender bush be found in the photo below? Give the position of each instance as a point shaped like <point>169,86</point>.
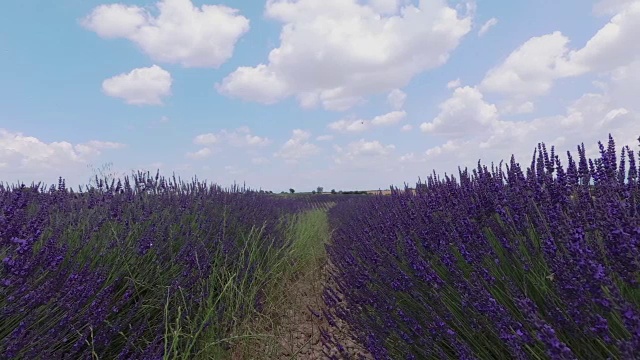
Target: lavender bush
<point>144,270</point>
<point>535,264</point>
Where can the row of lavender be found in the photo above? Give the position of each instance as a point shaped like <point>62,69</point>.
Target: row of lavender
<point>133,270</point>
<point>498,265</point>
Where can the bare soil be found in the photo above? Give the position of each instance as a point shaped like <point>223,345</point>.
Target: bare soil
<point>297,330</point>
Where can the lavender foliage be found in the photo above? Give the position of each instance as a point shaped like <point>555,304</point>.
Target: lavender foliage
<point>497,263</point>
<point>132,270</point>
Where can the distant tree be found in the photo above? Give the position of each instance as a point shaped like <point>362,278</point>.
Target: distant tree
<point>333,191</point>
<point>320,189</point>
<point>313,192</point>
<point>292,190</point>
<point>283,192</point>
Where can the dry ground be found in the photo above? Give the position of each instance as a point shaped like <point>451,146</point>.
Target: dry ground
<point>296,332</point>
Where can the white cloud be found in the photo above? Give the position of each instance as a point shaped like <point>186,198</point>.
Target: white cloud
<point>251,84</point>
<point>531,69</point>
<point>453,84</point>
<point>254,140</point>
<point>588,119</point>
<point>407,158</point>
<point>369,148</point>
<point>200,154</point>
<point>464,112</point>
<point>240,137</point>
<point>338,102</point>
<point>517,108</point>
<point>93,147</point>
<point>115,20</point>
<point>141,86</point>
<point>359,125</point>
<point>396,98</point>
<point>331,100</point>
<point>181,33</point>
<point>205,139</point>
<point>472,127</point>
<point>439,155</point>
<point>346,125</point>
<point>469,7</point>
<point>28,154</point>
<point>406,127</point>
<point>335,53</point>
<point>363,152</point>
<point>104,144</point>
<point>624,85</point>
<point>611,7</point>
<point>385,7</point>
<point>447,147</point>
<point>613,44</point>
<point>486,26</point>
<point>297,147</point>
<point>324,138</point>
<point>391,118</point>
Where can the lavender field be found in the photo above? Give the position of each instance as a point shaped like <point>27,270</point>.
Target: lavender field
<point>495,263</point>
<point>536,264</point>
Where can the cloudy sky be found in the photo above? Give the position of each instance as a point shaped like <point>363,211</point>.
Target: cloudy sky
<point>345,94</point>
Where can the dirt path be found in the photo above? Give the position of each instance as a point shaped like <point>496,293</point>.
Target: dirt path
<point>296,332</point>
<point>303,326</point>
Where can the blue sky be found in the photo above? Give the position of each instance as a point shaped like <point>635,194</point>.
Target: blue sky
<point>278,94</point>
